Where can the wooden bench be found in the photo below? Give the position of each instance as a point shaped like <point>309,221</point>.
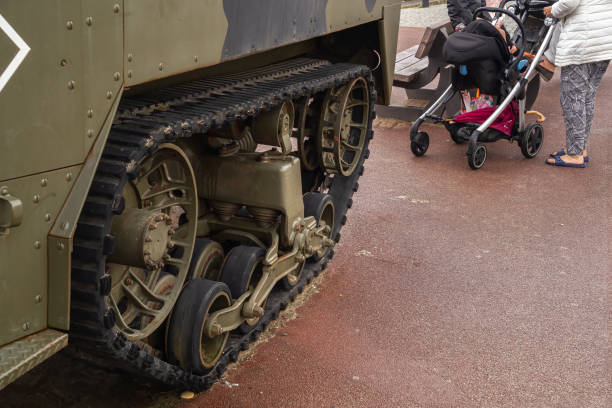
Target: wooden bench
<point>416,68</point>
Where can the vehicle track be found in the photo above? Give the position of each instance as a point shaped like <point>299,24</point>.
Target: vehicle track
<point>165,116</point>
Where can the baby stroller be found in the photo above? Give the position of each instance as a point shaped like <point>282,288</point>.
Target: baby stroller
<point>481,60</point>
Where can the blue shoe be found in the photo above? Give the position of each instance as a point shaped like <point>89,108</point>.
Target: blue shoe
<point>561,152</point>
<point>560,163</point>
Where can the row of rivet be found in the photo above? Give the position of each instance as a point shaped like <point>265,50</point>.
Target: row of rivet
<point>72,84</point>
<point>26,325</point>
<point>37,244</point>
<point>160,67</point>
<point>36,199</point>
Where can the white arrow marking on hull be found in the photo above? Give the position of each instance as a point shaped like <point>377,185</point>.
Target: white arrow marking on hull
<point>24,49</point>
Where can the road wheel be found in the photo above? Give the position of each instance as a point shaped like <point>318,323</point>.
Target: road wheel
<point>187,344</point>
<point>240,272</point>
<point>207,260</point>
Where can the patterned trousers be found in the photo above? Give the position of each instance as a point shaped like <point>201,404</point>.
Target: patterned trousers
<point>579,85</point>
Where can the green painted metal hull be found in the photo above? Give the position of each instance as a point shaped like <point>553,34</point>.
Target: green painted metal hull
<point>64,65</point>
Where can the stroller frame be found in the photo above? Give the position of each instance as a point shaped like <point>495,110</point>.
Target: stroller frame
<point>530,136</point>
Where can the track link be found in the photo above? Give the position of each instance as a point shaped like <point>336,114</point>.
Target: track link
<point>167,115</point>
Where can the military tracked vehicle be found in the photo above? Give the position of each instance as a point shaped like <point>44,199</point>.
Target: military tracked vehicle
<point>174,172</point>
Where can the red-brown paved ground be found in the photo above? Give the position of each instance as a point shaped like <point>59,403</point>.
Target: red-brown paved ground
<point>486,288</point>
<point>450,288</point>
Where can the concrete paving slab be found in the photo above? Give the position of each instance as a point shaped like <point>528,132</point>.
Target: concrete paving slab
<point>422,17</point>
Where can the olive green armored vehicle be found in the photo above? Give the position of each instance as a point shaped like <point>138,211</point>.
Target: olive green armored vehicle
<point>174,172</point>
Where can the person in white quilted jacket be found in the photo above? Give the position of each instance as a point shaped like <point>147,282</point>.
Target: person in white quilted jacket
<point>583,52</point>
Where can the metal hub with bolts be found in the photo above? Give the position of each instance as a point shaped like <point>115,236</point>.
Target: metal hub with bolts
<point>154,238</point>
<point>142,238</point>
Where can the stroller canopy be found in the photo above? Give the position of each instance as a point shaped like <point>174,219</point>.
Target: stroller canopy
<point>479,41</point>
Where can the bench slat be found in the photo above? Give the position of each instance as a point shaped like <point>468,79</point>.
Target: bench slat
<point>408,73</point>
<point>406,54</point>
<point>408,62</point>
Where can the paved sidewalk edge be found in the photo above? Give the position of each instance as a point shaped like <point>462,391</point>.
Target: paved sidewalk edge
<point>418,3</point>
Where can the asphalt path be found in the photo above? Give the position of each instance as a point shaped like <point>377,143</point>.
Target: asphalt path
<point>453,287</point>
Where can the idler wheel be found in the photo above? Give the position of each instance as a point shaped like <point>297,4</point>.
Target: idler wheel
<point>241,272</point>
<point>343,127</point>
<point>187,343</point>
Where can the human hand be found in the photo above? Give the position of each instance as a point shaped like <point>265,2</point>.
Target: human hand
<point>548,11</point>
<point>460,27</point>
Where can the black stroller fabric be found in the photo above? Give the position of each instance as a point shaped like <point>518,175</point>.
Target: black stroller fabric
<point>482,49</point>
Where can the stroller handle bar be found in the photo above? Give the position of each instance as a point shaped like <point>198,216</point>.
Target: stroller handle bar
<point>530,3</point>
<point>516,20</point>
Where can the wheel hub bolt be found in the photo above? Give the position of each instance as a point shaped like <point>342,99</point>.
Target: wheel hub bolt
<point>216,330</point>
<point>258,311</point>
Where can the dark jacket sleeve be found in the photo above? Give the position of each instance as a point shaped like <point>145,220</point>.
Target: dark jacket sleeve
<point>460,11</point>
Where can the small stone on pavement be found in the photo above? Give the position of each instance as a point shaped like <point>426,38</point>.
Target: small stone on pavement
<point>187,395</point>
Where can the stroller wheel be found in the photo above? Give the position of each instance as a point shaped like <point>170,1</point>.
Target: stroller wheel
<point>420,144</point>
<point>531,140</point>
<point>478,157</point>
